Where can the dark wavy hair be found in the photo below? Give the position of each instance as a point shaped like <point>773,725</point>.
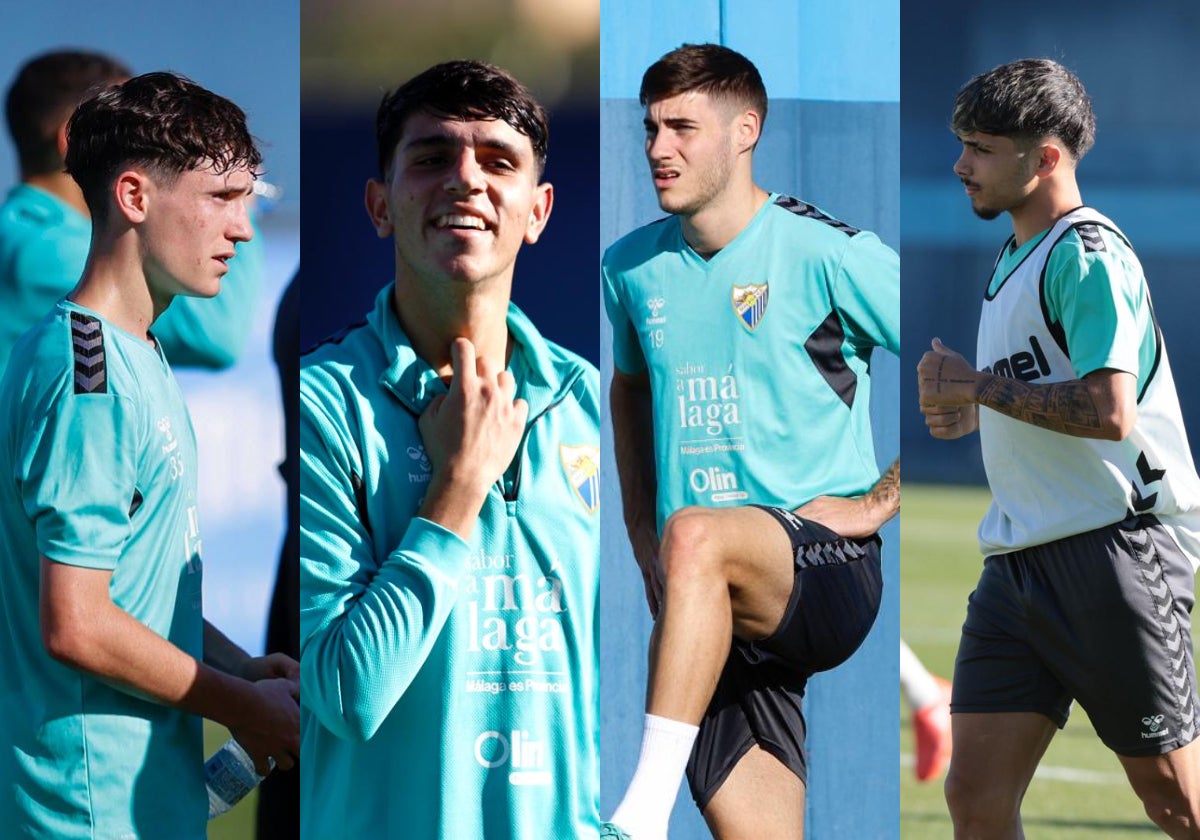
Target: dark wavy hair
<point>1027,100</point>
<point>42,96</point>
<point>461,90</point>
<point>162,122</point>
<point>718,71</point>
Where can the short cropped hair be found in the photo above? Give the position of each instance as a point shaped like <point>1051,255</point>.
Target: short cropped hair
<point>162,122</point>
<point>42,96</point>
<point>1028,100</point>
<point>717,71</point>
<point>461,90</point>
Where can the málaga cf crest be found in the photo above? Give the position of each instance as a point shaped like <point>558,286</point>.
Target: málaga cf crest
<point>750,302</point>
<point>582,465</point>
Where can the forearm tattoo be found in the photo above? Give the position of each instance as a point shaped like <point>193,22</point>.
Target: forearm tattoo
<point>886,491</point>
<point>1065,407</point>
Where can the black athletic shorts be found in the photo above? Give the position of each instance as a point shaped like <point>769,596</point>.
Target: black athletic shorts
<point>1102,617</point>
<point>835,597</point>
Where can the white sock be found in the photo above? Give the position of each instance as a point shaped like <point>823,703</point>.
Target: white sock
<point>919,686</point>
<point>666,745</point>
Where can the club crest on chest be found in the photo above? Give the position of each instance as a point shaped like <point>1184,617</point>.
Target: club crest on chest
<point>582,466</point>
<point>750,304</point>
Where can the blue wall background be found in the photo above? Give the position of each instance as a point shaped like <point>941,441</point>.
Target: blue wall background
<point>832,138</point>
<point>1138,63</point>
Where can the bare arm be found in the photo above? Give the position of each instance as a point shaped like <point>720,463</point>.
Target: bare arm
<point>83,628</point>
<point>858,516</point>
<point>633,434</point>
<point>1102,405</point>
<point>222,653</point>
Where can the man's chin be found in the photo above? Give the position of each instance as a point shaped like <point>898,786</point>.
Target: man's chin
<point>675,207</point>
<point>986,213</point>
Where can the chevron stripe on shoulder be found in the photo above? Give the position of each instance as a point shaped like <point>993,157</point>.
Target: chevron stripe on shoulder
<point>1091,237</point>
<point>87,344</point>
<point>802,208</point>
<point>336,338</point>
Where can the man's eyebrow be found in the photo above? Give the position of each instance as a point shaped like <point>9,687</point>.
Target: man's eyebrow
<point>229,188</point>
<point>443,141</point>
<point>669,122</point>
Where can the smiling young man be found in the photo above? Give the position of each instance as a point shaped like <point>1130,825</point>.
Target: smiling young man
<point>449,526</point>
<point>110,663</point>
<point>45,224</point>
<point>1091,540</point>
<point>743,326</point>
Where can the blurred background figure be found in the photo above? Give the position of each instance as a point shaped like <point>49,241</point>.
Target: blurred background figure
<point>279,794</point>
<point>254,60</point>
<point>928,699</point>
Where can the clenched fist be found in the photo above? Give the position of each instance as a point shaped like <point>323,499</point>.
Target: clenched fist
<point>945,378</point>
<point>947,384</point>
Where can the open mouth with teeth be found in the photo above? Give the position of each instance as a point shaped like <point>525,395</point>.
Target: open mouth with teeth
<point>663,177</point>
<point>459,222</point>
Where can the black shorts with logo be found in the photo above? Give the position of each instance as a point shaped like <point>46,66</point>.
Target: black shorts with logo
<point>1101,617</point>
<point>835,597</point>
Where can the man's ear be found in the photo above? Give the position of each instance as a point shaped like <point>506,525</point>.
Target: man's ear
<point>131,192</point>
<point>1049,158</point>
<point>60,141</point>
<point>747,128</point>
<point>376,201</point>
<point>539,215</point>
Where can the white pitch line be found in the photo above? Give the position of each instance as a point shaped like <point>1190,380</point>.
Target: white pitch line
<point>1059,774</point>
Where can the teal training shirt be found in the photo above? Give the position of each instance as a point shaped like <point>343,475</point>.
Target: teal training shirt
<point>44,245</point>
<point>98,461</point>
<point>759,357</point>
<point>449,688</point>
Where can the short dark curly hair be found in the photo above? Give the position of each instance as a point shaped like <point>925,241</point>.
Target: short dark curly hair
<point>163,122</point>
<point>1028,100</point>
<point>461,90</point>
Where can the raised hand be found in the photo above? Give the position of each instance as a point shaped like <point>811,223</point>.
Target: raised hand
<point>950,422</point>
<point>945,378</point>
<point>470,436</point>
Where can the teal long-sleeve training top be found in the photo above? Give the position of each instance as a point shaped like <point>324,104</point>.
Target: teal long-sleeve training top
<point>449,688</point>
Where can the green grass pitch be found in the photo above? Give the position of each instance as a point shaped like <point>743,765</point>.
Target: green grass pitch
<point>1080,792</point>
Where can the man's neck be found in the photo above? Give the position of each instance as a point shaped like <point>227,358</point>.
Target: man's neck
<point>114,285</point>
<point>62,186</point>
<point>1042,209</point>
<point>722,219</point>
<point>476,312</point>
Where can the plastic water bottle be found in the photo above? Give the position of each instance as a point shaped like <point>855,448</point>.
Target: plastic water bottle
<point>229,776</point>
